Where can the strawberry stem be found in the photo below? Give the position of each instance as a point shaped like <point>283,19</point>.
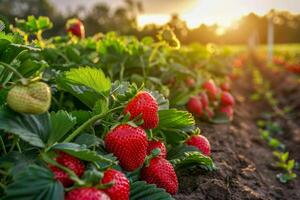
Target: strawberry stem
<point>22,79</point>
<point>89,123</point>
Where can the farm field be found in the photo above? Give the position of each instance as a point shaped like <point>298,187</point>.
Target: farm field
<point>146,114</point>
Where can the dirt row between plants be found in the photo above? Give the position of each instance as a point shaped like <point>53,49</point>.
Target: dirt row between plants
<point>243,159</point>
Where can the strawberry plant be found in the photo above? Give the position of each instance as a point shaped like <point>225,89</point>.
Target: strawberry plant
<point>77,120</point>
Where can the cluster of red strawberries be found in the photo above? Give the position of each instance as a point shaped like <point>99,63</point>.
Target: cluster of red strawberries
<point>132,148</point>
<point>211,100</point>
<point>291,67</point>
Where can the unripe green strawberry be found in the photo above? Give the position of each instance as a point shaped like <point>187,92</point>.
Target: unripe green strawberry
<point>194,106</point>
<point>86,193</point>
<point>34,98</point>
<point>144,103</point>
<point>70,162</point>
<point>157,144</point>
<point>128,144</point>
<point>201,143</point>
<point>161,173</point>
<point>121,188</point>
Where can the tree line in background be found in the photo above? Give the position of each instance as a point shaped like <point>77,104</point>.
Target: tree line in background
<point>101,18</point>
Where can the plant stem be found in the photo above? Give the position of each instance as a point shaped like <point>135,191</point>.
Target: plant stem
<point>89,123</point>
<point>71,174</point>
<point>3,145</point>
<point>13,145</point>
<point>4,173</point>
<point>23,80</point>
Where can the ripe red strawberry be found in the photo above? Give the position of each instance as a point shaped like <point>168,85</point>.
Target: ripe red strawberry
<point>209,112</point>
<point>227,99</point>
<point>157,144</point>
<point>144,103</point>
<point>225,86</point>
<point>87,193</point>
<point>121,188</point>
<point>161,173</point>
<point>190,82</point>
<point>211,88</point>
<point>228,110</point>
<point>201,143</point>
<point>194,106</point>
<point>70,162</point>
<point>75,27</point>
<point>128,144</point>
<point>204,99</point>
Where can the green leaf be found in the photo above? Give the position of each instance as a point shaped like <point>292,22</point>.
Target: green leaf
<point>274,143</point>
<point>173,125</point>
<point>81,116</point>
<point>175,119</point>
<point>89,140</point>
<point>86,83</point>
<point>192,159</point>
<point>101,106</point>
<point>61,123</point>
<point>90,77</point>
<point>163,103</point>
<point>81,152</point>
<point>33,129</point>
<point>179,151</point>
<point>290,164</point>
<point>140,190</point>
<point>34,183</point>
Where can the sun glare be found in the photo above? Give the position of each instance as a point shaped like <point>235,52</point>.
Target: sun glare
<point>152,19</point>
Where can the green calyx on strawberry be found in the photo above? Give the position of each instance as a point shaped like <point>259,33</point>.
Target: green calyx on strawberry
<point>144,104</point>
<point>86,193</point>
<point>161,172</point>
<point>211,89</point>
<point>128,144</point>
<point>200,142</point>
<point>75,27</point>
<point>228,111</point>
<point>195,106</point>
<point>227,99</point>
<point>121,188</point>
<point>157,144</point>
<point>33,98</point>
<point>70,162</point>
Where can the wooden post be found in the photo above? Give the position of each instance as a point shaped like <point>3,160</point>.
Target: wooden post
<point>270,39</point>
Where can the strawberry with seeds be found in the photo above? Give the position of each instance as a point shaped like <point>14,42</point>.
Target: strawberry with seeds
<point>86,193</point>
<point>157,144</point>
<point>144,104</point>
<point>161,172</point>
<point>128,144</point>
<point>121,188</point>
<point>200,142</point>
<point>70,162</point>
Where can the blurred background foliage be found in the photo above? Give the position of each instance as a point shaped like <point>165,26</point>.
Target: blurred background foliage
<point>102,18</point>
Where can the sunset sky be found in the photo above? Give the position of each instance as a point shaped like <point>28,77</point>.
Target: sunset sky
<point>194,12</point>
